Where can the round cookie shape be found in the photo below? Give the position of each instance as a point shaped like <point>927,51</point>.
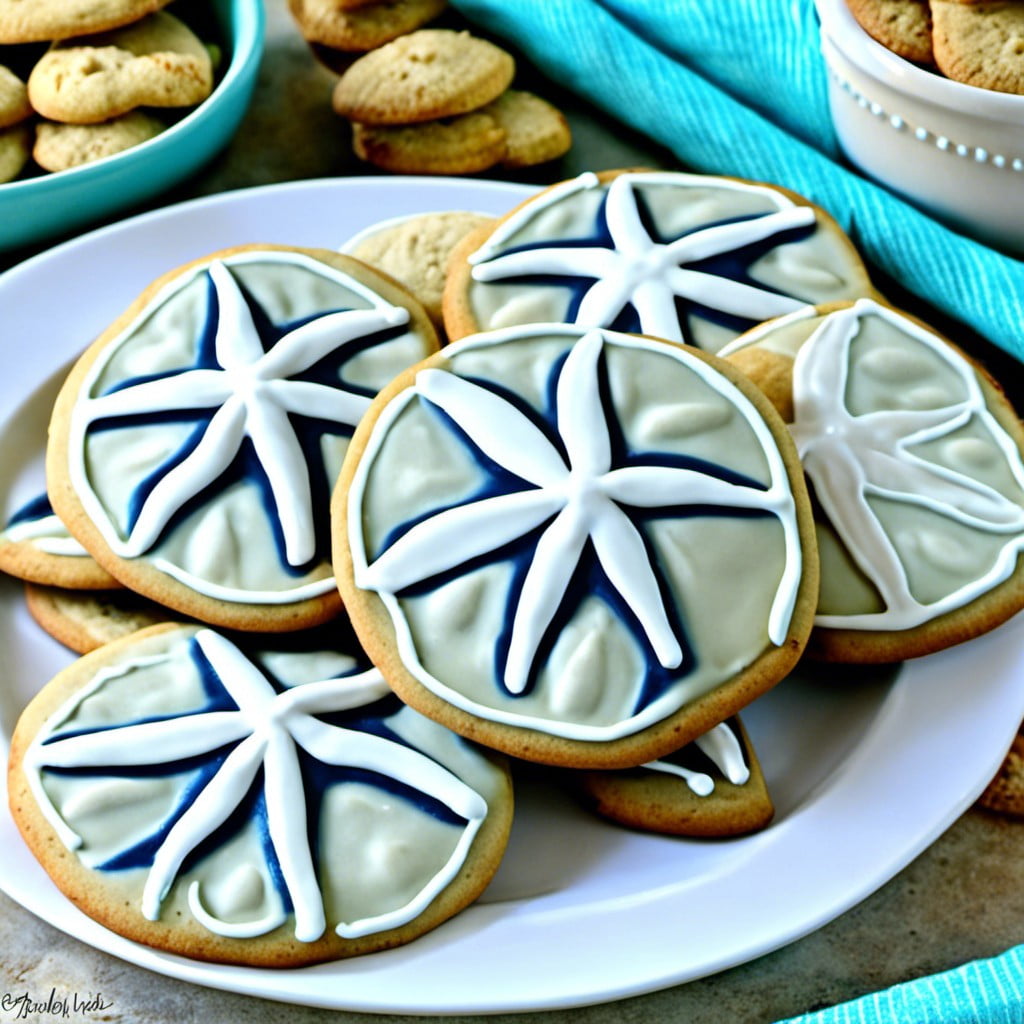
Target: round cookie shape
<point>684,257</point>
<point>255,803</point>
<point>156,62</point>
<point>980,43</point>
<point>540,532</point>
<point>194,446</point>
<point>713,786</point>
<point>423,76</point>
<point>914,459</point>
<point>43,20</point>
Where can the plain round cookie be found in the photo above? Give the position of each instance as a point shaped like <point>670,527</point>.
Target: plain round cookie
<point>535,130</point>
<point>15,149</point>
<point>501,595</point>
<point>356,30</point>
<point>423,76</point>
<point>415,250</point>
<point>980,44</point>
<point>59,147</point>
<point>14,104</point>
<point>465,144</point>
<point>1005,793</point>
<point>157,62</point>
<point>903,26</point>
<point>206,486</point>
<point>915,460</point>
<point>36,21</point>
<point>84,620</point>
<point>321,839</point>
<point>713,787</point>
<point>685,257</point>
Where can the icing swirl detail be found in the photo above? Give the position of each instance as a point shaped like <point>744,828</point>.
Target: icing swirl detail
<point>256,379</point>
<point>852,459</point>
<point>261,742</point>
<point>626,265</point>
<point>560,490</point>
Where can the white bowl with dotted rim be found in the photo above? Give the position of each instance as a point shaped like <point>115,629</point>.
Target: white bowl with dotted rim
<point>953,149</point>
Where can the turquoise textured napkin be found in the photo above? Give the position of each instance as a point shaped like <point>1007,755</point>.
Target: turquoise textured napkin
<point>738,87</point>
<point>981,992</point>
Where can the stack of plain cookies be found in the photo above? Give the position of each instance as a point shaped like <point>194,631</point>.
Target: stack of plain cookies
<point>93,91</point>
<point>977,42</point>
<point>439,101</point>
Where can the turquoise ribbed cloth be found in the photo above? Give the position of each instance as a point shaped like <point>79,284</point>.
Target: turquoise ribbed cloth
<point>981,992</point>
<point>738,87</point>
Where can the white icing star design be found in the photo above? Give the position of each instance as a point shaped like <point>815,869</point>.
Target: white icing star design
<point>640,271</point>
<point>581,498</point>
<point>852,458</point>
<point>253,397</point>
<point>264,732</point>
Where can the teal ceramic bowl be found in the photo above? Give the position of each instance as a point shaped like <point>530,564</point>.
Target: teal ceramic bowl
<point>35,209</point>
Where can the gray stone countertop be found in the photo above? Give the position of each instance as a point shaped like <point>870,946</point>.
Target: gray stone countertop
<point>963,898</point>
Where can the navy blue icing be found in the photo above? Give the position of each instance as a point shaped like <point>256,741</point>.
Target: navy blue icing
<point>246,467</point>
<point>589,578</point>
<point>34,509</point>
<point>317,776</point>
<point>734,265</point>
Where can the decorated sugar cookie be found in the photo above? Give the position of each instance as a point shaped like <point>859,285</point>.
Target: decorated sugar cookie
<point>583,548</point>
<point>257,804</point>
<point>678,256</point>
<point>914,458</point>
<point>36,546</point>
<point>194,446</point>
<point>713,786</point>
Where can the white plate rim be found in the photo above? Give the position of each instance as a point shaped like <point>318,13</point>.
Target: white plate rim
<point>628,943</point>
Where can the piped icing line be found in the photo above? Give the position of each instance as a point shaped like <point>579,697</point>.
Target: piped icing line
<point>37,523</point>
<point>851,458</point>
<point>723,748</point>
<point>581,491</point>
<point>636,269</point>
<point>250,397</point>
<point>268,729</point>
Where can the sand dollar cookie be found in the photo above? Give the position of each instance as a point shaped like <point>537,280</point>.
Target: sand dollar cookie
<point>366,27</point>
<point>36,546</point>
<point>251,804</point>
<point>713,786</point>
<point>980,44</point>
<point>59,147</point>
<point>36,21</point>
<point>157,62</point>
<point>583,548</point>
<point>416,250</point>
<point>423,76</point>
<point>677,256</point>
<point>914,459</point>
<point>193,447</point>
<point>459,145</point>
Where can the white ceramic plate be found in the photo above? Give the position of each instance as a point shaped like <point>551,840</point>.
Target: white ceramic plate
<point>866,768</point>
